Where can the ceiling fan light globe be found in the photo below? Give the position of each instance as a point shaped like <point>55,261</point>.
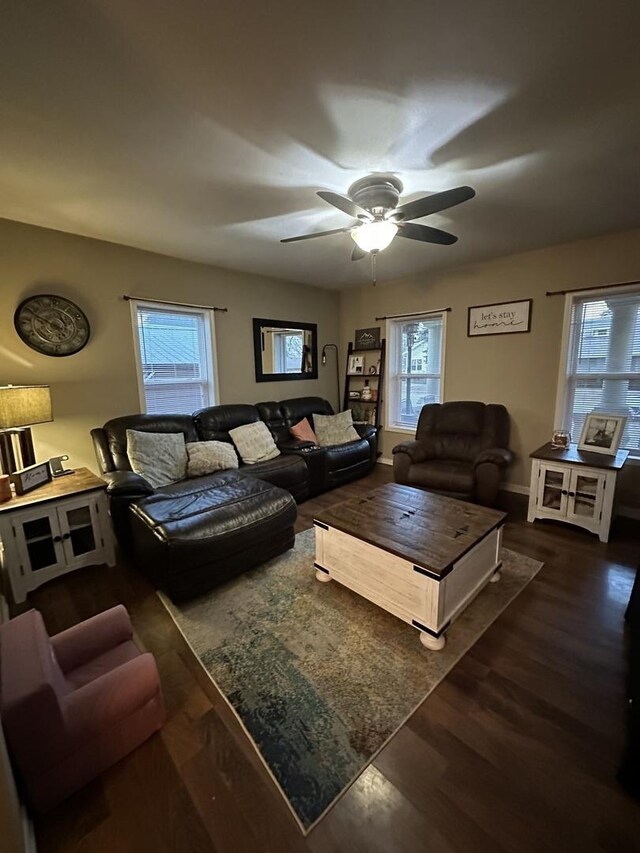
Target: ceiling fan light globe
<point>374,236</point>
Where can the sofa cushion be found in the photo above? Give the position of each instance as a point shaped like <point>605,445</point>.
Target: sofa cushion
<point>254,443</point>
<point>215,422</point>
<point>335,429</point>
<point>207,457</point>
<point>115,433</point>
<point>161,458</point>
<point>303,432</point>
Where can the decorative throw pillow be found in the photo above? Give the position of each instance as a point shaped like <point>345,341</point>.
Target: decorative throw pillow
<point>335,429</point>
<point>205,457</point>
<point>254,443</point>
<point>159,457</point>
<point>303,432</point>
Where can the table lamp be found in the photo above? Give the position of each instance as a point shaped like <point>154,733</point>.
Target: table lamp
<point>21,406</point>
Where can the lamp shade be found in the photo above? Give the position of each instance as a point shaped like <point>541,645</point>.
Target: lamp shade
<point>23,405</point>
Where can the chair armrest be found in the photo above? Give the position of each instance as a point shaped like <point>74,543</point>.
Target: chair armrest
<point>497,455</point>
<point>126,484</point>
<point>112,697</point>
<point>414,450</point>
<point>85,641</point>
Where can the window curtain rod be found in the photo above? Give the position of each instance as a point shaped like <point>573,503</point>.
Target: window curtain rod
<point>585,289</point>
<point>170,302</point>
<point>413,314</point>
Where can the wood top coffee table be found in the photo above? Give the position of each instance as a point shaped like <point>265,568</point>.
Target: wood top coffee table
<point>420,556</point>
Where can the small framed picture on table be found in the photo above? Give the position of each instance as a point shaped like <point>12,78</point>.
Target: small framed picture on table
<point>602,433</point>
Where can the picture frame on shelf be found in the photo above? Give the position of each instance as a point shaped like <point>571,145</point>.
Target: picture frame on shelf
<point>367,338</point>
<point>356,365</point>
<point>602,433</point>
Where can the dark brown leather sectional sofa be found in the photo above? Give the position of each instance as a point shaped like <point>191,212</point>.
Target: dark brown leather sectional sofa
<point>192,535</point>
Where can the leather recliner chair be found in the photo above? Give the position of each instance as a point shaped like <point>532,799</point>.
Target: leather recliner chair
<point>460,450</point>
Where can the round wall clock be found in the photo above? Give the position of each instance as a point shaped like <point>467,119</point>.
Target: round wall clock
<point>51,325</point>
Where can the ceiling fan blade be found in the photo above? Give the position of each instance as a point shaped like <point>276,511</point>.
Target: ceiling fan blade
<point>432,203</point>
<point>425,233</point>
<point>316,234</point>
<point>358,254</point>
<point>345,204</point>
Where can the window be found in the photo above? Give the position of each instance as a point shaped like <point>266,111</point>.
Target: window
<point>415,361</point>
<point>602,366</point>
<point>175,357</point>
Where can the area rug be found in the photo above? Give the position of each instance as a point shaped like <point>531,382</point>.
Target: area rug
<point>319,677</point>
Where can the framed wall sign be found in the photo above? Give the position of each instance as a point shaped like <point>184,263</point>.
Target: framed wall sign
<point>367,338</point>
<point>500,318</point>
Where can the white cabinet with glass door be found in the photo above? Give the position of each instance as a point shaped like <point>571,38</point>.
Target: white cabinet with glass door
<point>573,491</point>
<point>51,538</point>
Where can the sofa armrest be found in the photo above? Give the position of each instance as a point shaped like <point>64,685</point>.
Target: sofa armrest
<point>291,445</point>
<point>110,698</point>
<point>126,484</point>
<point>496,455</point>
<point>85,641</point>
<point>366,430</point>
<point>414,450</point>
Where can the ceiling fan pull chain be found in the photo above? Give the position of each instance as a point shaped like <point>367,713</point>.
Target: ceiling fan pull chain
<point>374,255</point>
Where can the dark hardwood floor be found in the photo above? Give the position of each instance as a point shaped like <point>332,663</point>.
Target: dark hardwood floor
<point>516,750</point>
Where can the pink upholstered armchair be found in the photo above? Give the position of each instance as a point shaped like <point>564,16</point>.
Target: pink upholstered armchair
<point>76,703</point>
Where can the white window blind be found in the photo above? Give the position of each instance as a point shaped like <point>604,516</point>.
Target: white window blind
<point>175,358</point>
<point>603,363</point>
<point>415,363</point>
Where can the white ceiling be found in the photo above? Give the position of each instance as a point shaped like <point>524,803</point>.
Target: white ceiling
<point>203,128</point>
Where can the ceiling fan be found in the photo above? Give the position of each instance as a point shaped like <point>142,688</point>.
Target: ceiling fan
<point>373,201</point>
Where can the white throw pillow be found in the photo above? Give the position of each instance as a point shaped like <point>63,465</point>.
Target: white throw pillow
<point>334,429</point>
<point>159,457</point>
<point>206,457</point>
<point>254,443</point>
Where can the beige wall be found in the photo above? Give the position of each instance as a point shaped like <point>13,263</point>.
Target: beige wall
<point>519,370</point>
<point>99,382</point>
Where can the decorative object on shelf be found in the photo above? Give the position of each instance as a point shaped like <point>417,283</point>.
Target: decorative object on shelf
<point>5,488</point>
<point>30,478</point>
<point>561,439</point>
<point>374,395</point>
<point>356,365</point>
<point>499,318</point>
<point>602,433</point>
<point>21,406</point>
<point>56,465</point>
<point>373,370</point>
<point>366,391</point>
<point>367,338</point>
<point>51,325</point>
<point>354,395</point>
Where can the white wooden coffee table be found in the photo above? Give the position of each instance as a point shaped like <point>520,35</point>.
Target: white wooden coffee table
<point>420,556</point>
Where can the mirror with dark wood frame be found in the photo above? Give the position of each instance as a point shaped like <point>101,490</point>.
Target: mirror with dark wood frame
<point>285,350</point>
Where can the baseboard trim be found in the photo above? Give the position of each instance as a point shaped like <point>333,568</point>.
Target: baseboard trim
<point>28,833</point>
<point>384,461</point>
<point>516,488</point>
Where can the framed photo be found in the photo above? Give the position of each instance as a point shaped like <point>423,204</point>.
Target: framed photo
<point>367,338</point>
<point>356,365</point>
<point>500,318</point>
<point>602,433</point>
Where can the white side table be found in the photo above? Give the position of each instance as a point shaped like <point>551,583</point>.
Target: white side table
<point>574,486</point>
<point>55,529</point>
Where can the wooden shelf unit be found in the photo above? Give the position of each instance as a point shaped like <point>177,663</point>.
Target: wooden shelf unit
<point>365,411</point>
